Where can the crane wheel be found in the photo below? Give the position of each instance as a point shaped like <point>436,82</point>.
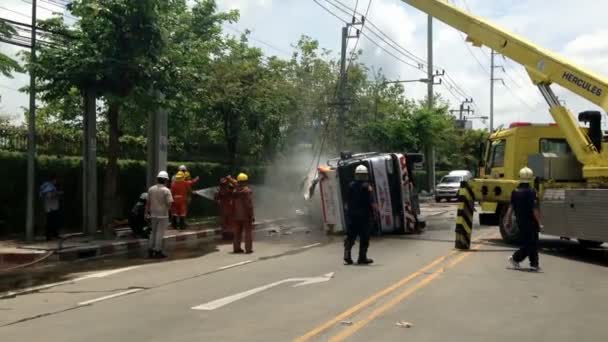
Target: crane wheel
<point>511,236</point>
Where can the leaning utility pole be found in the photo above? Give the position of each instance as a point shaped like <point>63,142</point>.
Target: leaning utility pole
<point>342,101</point>
<point>430,149</point>
<point>342,92</point>
<point>31,135</point>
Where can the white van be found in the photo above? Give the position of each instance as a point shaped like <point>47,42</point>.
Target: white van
<point>467,175</point>
<point>449,185</point>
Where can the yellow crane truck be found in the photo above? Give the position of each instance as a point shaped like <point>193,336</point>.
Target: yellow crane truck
<point>570,161</point>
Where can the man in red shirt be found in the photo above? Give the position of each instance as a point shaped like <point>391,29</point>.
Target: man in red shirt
<point>225,201</point>
<point>243,217</point>
<point>180,190</point>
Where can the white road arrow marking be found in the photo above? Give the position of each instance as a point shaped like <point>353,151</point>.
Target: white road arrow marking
<point>218,303</point>
<point>120,294</point>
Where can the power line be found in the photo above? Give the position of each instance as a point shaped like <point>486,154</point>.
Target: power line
<point>393,44</point>
<point>354,51</point>
<point>330,12</point>
<point>524,102</point>
<point>38,28</point>
<point>449,89</point>
<point>261,41</point>
<point>14,12</point>
<point>62,13</point>
<point>57,4</point>
<point>16,43</point>
<point>390,53</point>
<point>397,48</point>
<point>382,36</point>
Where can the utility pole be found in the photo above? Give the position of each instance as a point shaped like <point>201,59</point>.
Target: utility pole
<point>31,136</point>
<point>158,142</point>
<point>89,163</point>
<point>342,92</point>
<point>342,105</point>
<point>462,110</point>
<point>493,66</point>
<point>430,149</point>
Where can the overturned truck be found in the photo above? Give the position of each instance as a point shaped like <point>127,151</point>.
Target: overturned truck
<point>394,191</point>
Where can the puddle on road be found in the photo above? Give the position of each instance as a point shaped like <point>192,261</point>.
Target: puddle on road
<point>56,272</point>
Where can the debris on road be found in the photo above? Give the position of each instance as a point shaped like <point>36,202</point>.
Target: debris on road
<point>404,324</point>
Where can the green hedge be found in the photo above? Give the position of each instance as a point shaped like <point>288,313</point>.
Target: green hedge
<point>132,183</point>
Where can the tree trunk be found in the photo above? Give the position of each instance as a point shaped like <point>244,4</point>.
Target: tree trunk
<point>110,203</point>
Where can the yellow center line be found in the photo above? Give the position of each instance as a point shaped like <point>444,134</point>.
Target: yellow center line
<point>373,298</point>
<point>344,334</point>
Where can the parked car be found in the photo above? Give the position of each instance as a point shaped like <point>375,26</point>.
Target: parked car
<point>449,185</point>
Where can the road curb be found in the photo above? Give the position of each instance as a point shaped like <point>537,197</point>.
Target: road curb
<point>127,247</point>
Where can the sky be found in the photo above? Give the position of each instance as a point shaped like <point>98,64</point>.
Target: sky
<point>574,29</point>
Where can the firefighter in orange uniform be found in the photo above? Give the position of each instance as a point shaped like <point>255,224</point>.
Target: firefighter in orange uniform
<point>180,190</point>
<point>224,199</point>
<point>243,215</point>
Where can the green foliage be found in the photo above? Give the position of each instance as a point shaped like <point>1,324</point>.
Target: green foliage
<point>7,64</point>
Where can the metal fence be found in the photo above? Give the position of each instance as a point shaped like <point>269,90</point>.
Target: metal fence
<point>55,144</point>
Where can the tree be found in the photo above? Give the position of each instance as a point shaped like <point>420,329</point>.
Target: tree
<point>7,64</point>
<point>115,44</point>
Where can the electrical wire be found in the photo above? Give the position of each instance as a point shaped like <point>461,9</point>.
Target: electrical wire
<point>364,34</point>
<point>354,51</point>
<point>376,31</point>
<point>14,12</point>
<point>285,52</point>
<point>382,36</point>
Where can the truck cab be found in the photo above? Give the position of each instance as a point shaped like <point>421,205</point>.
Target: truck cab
<point>543,148</point>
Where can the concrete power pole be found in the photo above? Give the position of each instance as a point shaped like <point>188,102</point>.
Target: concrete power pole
<point>493,79</point>
<point>31,136</point>
<point>430,150</point>
<point>342,92</point>
<point>158,142</point>
<point>89,164</point>
<point>342,101</point>
<point>492,91</point>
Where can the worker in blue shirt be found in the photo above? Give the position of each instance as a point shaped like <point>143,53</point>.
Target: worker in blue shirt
<point>524,203</point>
<point>360,212</point>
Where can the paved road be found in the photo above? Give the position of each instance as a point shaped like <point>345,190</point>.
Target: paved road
<point>295,288</point>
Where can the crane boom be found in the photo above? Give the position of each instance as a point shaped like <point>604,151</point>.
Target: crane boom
<point>544,68</point>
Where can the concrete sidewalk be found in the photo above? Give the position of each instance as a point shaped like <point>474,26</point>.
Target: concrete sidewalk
<point>13,253</point>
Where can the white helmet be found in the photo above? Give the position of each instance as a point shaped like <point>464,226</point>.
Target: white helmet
<point>144,196</point>
<point>182,168</point>
<point>526,175</point>
<point>361,170</point>
<point>163,175</point>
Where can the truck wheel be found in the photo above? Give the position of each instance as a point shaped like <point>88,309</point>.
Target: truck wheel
<point>511,236</point>
<point>590,243</point>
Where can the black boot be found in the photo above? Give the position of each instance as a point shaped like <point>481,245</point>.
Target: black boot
<point>363,259</point>
<point>182,223</point>
<point>348,260</point>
